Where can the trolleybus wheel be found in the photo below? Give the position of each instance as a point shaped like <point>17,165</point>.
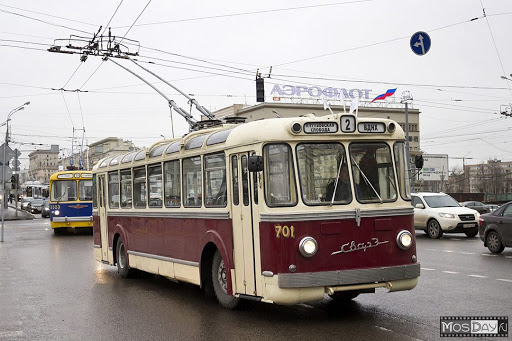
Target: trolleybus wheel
<point>122,260</point>
<point>220,284</point>
<point>344,296</point>
<point>494,243</point>
<point>59,231</point>
<point>434,230</point>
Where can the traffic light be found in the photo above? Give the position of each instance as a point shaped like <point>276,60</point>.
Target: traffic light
<point>260,89</point>
<point>13,181</point>
<point>418,161</point>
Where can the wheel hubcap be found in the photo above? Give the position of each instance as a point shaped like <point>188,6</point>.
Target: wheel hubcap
<point>493,242</point>
<point>221,276</point>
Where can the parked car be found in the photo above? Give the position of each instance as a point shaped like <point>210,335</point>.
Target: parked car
<point>438,213</point>
<point>496,228</point>
<point>493,207</point>
<point>35,206</point>
<point>45,213</point>
<point>25,201</point>
<point>477,206</point>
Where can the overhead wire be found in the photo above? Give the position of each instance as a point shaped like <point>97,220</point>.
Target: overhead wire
<point>48,15</point>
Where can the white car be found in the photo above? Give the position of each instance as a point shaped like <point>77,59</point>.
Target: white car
<point>438,213</point>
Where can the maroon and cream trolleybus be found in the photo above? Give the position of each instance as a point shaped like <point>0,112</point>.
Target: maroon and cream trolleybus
<point>283,210</point>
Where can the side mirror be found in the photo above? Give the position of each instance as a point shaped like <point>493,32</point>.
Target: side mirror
<point>418,161</point>
<point>420,206</point>
<point>255,163</point>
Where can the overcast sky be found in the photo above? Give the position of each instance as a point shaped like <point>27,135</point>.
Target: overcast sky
<point>211,49</point>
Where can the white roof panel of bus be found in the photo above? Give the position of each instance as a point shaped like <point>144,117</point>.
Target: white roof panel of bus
<point>116,160</point>
<point>158,151</point>
<point>173,148</point>
<point>128,157</point>
<point>105,163</point>
<point>195,142</point>
<point>218,137</point>
<point>140,155</point>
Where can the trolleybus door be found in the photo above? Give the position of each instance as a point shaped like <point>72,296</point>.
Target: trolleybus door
<point>102,214</point>
<point>243,232</point>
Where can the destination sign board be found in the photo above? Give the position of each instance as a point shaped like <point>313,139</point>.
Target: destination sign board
<point>320,127</point>
<point>371,127</point>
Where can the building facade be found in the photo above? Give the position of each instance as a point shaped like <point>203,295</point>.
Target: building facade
<point>43,163</point>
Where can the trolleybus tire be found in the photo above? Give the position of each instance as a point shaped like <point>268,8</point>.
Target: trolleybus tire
<point>219,283</point>
<point>59,231</point>
<point>344,296</point>
<point>122,260</point>
<point>493,242</point>
<point>434,230</point>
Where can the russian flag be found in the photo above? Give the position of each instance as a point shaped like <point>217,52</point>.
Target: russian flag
<point>388,93</point>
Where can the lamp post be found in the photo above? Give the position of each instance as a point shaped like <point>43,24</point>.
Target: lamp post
<point>406,98</point>
<point>505,77</point>
<point>21,107</point>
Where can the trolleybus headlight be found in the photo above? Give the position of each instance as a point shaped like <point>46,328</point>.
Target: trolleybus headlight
<point>308,246</point>
<point>56,212</point>
<point>296,128</point>
<point>404,239</point>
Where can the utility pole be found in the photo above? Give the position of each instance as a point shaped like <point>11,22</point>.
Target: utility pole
<point>406,98</point>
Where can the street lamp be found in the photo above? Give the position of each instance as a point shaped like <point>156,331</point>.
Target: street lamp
<point>4,202</point>
<point>505,77</point>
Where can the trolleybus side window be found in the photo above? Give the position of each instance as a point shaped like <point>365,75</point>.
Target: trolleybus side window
<point>372,168</point>
<point>245,181</point>
<point>192,195</point>
<point>126,188</point>
<point>401,170</point>
<point>279,178</point>
<point>139,187</point>
<point>172,183</point>
<point>94,192</point>
<point>215,189</point>
<point>323,174</point>
<point>255,182</point>
<point>234,174</point>
<point>85,190</point>
<point>113,189</point>
<point>155,185</point>
<point>64,190</point>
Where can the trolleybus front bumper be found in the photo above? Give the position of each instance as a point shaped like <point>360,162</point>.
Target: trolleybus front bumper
<point>293,288</point>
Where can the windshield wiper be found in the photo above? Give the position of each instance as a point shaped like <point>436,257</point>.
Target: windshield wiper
<point>337,179</point>
<point>366,179</point>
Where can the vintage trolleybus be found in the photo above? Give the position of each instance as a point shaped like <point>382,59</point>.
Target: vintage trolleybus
<point>281,210</point>
<point>71,200</point>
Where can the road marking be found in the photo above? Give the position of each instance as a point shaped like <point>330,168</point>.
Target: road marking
<point>477,276</point>
<point>508,256</point>
<point>468,253</point>
<point>388,330</point>
<point>504,280</point>
<point>450,272</point>
<point>449,251</point>
<point>488,255</point>
<point>11,334</point>
<point>428,269</point>
<point>456,239</point>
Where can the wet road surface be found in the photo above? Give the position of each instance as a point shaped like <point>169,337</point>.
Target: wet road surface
<point>51,288</point>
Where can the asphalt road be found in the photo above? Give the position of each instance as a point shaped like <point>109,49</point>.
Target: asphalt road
<point>51,288</point>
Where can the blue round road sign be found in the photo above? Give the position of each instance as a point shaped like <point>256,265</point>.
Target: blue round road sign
<point>420,43</point>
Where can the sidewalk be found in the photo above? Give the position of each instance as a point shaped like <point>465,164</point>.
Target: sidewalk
<point>10,214</point>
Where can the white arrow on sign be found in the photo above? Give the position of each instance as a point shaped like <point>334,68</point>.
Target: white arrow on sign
<point>420,43</point>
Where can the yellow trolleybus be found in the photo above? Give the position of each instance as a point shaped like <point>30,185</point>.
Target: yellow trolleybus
<point>70,200</point>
